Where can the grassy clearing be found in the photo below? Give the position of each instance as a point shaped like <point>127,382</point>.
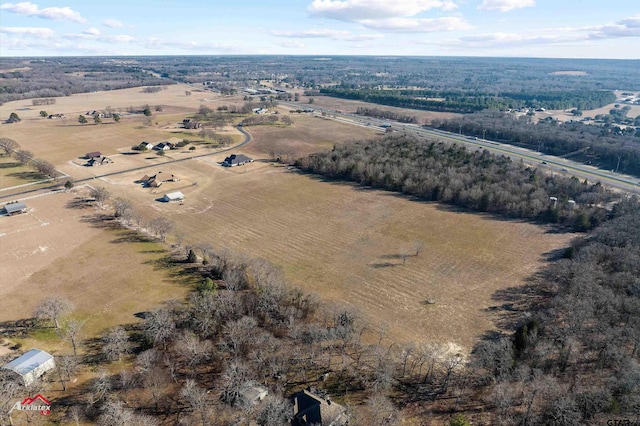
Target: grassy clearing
<point>13,173</point>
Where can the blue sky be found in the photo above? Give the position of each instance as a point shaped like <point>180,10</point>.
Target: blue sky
<point>530,28</point>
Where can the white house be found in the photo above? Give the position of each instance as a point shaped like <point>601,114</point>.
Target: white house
<point>31,365</point>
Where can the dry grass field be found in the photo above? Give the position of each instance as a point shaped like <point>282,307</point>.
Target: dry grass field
<point>338,241</point>
<point>344,243</point>
<point>55,250</point>
<point>307,135</point>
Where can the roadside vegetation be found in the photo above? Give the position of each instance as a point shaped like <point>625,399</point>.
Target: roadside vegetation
<point>609,146</point>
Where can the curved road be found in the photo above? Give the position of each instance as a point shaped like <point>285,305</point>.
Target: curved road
<point>16,196</point>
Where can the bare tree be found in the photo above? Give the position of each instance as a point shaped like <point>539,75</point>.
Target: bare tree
<point>418,246</point>
<point>24,156</point>
<point>378,410</point>
<point>100,195</point>
<point>196,399</point>
<point>101,387</point>
<point>115,343</point>
<point>114,413</point>
<point>8,145</point>
<point>274,411</point>
<point>193,348</point>
<point>159,327</point>
<point>71,332</point>
<point>123,208</point>
<point>404,254</point>
<point>155,382</point>
<point>45,168</point>
<point>160,226</point>
<point>52,308</point>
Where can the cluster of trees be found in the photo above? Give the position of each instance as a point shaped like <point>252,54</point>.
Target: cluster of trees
<point>153,89</point>
<point>604,146</point>
<point>48,78</point>
<point>467,102</point>
<point>387,115</point>
<point>573,359</point>
<point>256,120</point>
<point>43,101</point>
<point>452,174</point>
<point>11,147</point>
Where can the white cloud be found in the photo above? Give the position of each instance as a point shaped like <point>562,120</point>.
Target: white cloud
<point>292,44</point>
<point>38,32</point>
<point>157,43</point>
<point>505,5</point>
<point>357,10</point>
<point>112,23</point>
<point>629,27</point>
<point>326,33</point>
<point>92,31</point>
<point>417,25</point>
<point>55,13</point>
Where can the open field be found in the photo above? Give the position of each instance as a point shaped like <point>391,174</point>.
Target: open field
<point>56,250</point>
<point>13,173</point>
<point>308,134</point>
<point>344,243</point>
<point>341,242</point>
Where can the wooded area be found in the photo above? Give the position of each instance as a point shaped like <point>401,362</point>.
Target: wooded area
<point>454,175</point>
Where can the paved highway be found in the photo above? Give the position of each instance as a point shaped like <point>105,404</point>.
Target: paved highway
<point>548,162</point>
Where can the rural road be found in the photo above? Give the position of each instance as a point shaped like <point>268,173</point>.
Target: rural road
<point>18,195</point>
<point>551,163</point>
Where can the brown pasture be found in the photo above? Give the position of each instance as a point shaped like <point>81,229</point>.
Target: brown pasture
<point>58,250</point>
<point>336,240</point>
<point>344,243</point>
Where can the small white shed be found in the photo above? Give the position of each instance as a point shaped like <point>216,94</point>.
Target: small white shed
<point>32,365</point>
<point>173,197</point>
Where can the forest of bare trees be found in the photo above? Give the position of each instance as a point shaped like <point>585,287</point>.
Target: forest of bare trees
<point>455,175</point>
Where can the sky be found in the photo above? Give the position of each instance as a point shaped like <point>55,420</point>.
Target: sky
<point>512,28</point>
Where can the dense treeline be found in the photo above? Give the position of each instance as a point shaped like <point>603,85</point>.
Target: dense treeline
<point>466,102</point>
<point>47,78</point>
<point>387,115</point>
<point>472,179</point>
<point>574,358</point>
<point>607,146</point>
<point>390,98</point>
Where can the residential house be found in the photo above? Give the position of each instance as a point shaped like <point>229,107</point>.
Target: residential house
<point>311,409</point>
<point>236,160</point>
<point>158,179</point>
<point>163,146</point>
<point>31,365</point>
<point>146,146</point>
<point>99,161</point>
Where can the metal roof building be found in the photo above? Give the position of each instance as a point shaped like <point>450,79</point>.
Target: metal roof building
<point>32,365</point>
<point>15,208</point>
<point>173,196</point>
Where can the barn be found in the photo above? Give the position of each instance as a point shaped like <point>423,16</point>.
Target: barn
<point>15,208</point>
<point>173,197</point>
<point>31,365</point>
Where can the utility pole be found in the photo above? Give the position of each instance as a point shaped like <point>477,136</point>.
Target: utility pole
<point>618,164</point>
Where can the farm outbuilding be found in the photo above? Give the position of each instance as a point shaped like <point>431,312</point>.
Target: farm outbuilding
<point>236,160</point>
<point>15,208</point>
<point>31,365</point>
<point>173,197</point>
